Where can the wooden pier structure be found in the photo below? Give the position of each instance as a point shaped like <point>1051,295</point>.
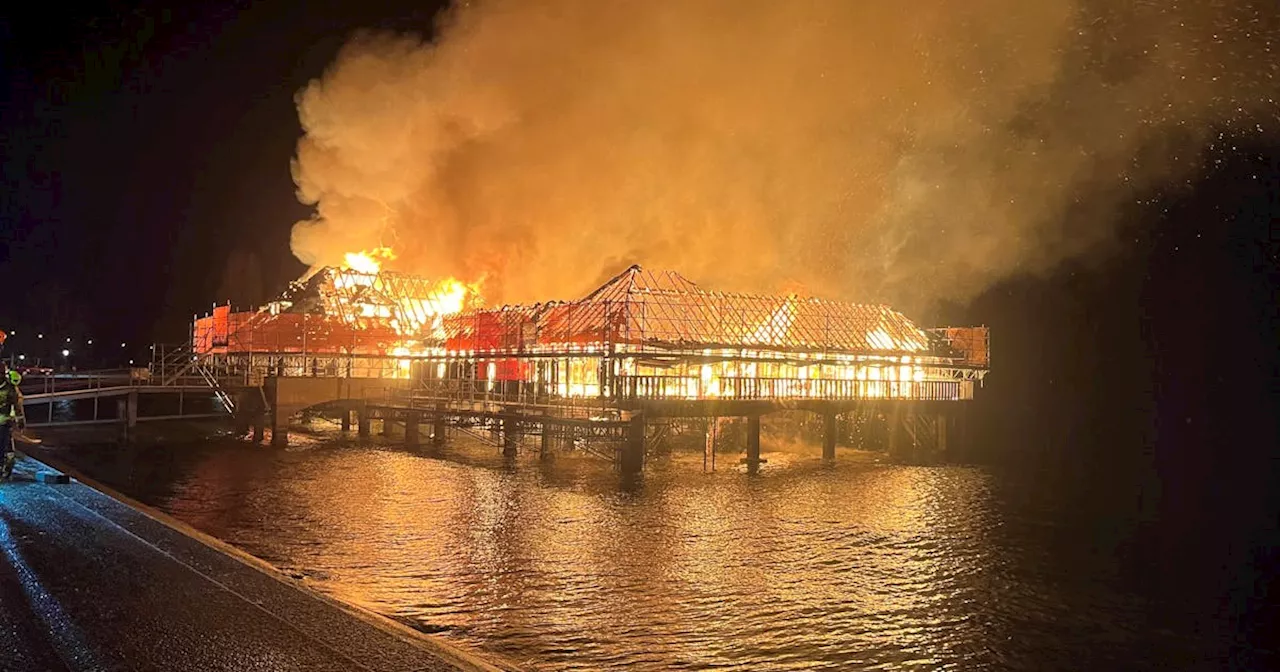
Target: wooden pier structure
<point>597,373</point>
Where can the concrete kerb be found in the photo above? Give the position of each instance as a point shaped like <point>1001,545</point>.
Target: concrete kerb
<point>451,653</point>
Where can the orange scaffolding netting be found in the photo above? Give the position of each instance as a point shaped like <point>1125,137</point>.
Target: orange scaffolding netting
<point>347,311</point>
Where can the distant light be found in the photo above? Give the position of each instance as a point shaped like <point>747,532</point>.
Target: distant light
<point>22,356</point>
<point>91,341</point>
<point>39,335</point>
<point>68,339</point>
<point>131,361</point>
<point>122,345</point>
<point>65,352</point>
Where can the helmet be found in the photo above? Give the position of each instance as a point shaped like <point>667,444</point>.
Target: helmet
<point>15,377</point>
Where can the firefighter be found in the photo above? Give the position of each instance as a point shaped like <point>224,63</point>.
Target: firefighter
<point>11,416</point>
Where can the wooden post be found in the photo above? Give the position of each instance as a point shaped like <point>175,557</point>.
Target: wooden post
<point>437,430</point>
<point>829,437</point>
<point>904,433</point>
<point>895,433</point>
<point>363,419</point>
<point>411,428</point>
<point>943,420</point>
<point>709,450</point>
<point>279,429</point>
<point>122,412</point>
<point>632,461</point>
<point>133,409</point>
<point>544,450</point>
<point>753,444</point>
<point>508,428</point>
<point>346,418</point>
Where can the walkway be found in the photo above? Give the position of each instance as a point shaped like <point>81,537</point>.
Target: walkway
<point>90,583</point>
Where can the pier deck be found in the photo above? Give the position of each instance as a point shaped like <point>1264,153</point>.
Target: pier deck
<point>90,582</point>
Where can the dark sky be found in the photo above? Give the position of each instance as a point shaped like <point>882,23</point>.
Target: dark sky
<point>147,149</point>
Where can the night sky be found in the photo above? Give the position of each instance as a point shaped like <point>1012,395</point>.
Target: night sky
<point>147,151</point>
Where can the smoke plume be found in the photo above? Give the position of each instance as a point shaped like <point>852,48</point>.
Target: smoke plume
<point>878,151</point>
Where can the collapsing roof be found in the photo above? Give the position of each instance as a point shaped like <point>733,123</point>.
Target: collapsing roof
<point>349,311</point>
<point>664,310</point>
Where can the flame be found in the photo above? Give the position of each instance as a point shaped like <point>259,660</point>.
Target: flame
<point>775,329</point>
<point>366,261</point>
<point>412,317</point>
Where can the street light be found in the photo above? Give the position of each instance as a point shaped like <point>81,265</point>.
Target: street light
<point>122,345</point>
<point>68,339</point>
<point>66,352</point>
<point>21,357</point>
<point>91,341</point>
<point>39,335</point>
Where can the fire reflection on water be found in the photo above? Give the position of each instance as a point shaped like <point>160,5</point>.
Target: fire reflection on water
<point>856,567</point>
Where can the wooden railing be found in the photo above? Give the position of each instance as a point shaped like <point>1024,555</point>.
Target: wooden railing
<point>692,387</point>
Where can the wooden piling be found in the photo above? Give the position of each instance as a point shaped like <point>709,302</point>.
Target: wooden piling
<point>508,428</point>
<point>829,437</point>
<point>412,420</point>
<point>363,420</point>
<point>753,444</point>
<point>631,461</point>
<point>544,449</point>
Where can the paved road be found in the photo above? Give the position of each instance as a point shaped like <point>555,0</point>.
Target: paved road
<point>89,583</point>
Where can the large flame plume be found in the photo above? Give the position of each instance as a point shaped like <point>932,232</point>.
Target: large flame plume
<point>882,151</point>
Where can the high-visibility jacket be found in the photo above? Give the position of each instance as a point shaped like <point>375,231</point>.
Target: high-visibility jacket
<point>10,401</point>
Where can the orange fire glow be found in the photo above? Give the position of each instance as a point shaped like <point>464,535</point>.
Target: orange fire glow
<point>368,261</point>
<point>412,317</point>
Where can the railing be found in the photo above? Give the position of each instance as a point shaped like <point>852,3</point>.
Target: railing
<point>693,387</point>
<point>255,366</point>
<point>502,395</point>
<point>214,384</point>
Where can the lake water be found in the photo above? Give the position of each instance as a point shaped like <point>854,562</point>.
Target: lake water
<point>857,566</point>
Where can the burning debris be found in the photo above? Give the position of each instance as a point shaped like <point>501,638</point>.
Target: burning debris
<point>642,334</point>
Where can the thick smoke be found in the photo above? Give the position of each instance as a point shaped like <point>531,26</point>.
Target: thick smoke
<point>885,151</point>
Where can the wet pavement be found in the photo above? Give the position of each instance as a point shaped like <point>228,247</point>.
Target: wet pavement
<point>90,583</point>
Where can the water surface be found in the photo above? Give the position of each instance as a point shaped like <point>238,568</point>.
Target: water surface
<point>861,565</point>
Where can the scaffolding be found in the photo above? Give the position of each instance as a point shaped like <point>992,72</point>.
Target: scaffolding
<point>643,335</point>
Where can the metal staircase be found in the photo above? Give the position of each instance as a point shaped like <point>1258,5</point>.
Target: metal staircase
<point>172,364</point>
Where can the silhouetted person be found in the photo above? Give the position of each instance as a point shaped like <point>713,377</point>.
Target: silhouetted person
<point>11,415</point>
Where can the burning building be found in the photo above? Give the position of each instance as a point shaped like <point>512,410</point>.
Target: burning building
<point>643,345</point>
<point>642,336</point>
